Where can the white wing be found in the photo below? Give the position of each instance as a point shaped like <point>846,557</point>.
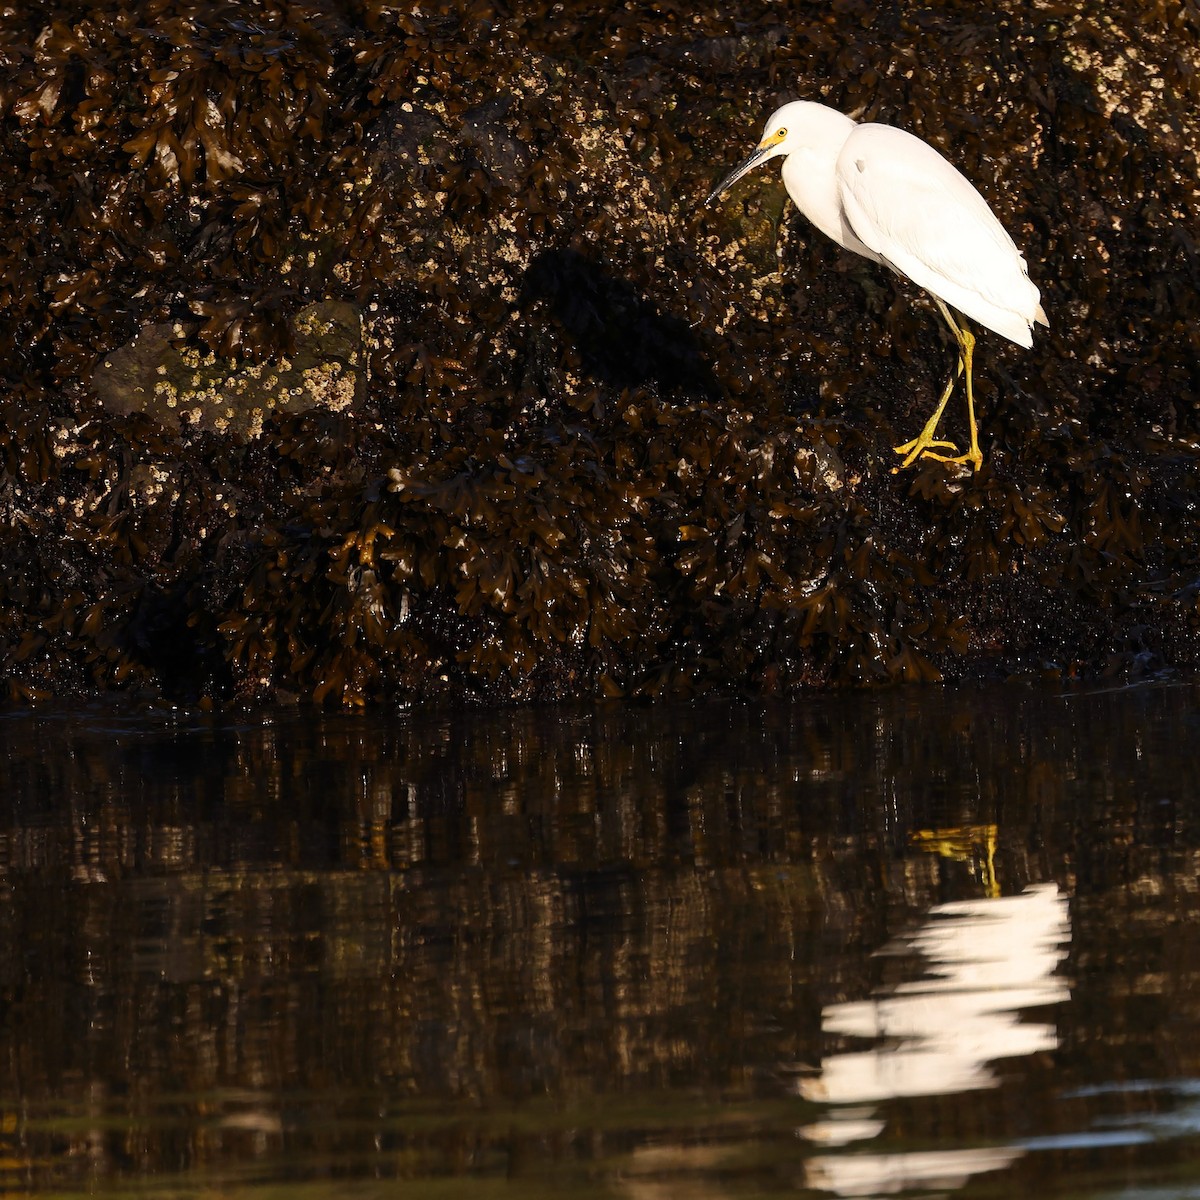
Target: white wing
<point>923,218</point>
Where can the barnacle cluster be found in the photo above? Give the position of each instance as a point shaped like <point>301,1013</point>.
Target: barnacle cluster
<point>336,366</point>
<point>184,386</point>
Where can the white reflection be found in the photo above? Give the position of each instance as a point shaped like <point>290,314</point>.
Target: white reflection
<point>887,1174</point>
<point>986,960</point>
<point>845,1125</point>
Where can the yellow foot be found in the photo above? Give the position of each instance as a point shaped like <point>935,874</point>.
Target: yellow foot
<point>918,448</point>
<point>972,456</point>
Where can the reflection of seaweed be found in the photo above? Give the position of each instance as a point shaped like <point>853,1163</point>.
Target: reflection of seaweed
<point>597,446</point>
<point>580,881</point>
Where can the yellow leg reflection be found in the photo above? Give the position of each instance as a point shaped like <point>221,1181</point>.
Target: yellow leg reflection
<point>972,844</point>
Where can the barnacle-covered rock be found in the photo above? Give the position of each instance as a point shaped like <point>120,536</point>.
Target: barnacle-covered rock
<point>334,369</point>
<point>185,387</point>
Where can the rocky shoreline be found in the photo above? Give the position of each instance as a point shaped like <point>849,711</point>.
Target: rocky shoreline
<point>357,356</point>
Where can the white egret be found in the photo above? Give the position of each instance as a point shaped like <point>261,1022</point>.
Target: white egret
<point>888,196</point>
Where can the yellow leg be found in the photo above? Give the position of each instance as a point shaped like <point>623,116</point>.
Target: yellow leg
<point>973,455</point>
<point>924,445</point>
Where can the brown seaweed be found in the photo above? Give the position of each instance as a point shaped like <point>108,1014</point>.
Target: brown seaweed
<point>575,435</point>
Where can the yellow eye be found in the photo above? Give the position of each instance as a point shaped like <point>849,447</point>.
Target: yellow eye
<point>780,134</point>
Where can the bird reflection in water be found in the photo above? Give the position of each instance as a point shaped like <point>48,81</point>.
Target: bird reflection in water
<point>986,960</point>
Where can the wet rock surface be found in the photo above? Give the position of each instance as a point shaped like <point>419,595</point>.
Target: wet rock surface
<point>567,432</point>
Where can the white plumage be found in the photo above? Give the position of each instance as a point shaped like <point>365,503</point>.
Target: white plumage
<point>887,195</point>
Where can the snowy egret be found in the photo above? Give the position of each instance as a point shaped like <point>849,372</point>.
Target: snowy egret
<point>888,196</point>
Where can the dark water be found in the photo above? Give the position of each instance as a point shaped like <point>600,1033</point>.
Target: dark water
<point>934,942</point>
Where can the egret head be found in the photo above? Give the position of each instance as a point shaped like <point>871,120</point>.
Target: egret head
<point>799,125</point>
